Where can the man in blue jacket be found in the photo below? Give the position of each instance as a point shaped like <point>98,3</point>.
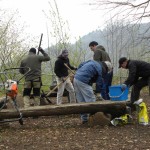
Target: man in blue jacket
<point>88,73</point>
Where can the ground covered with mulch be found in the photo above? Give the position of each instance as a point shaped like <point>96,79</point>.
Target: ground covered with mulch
<point>67,133</point>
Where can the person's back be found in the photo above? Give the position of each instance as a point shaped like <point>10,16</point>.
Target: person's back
<point>142,67</point>
<point>88,72</point>
<point>100,54</point>
<point>33,77</point>
<point>33,62</point>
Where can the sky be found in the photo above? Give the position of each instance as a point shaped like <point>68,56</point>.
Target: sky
<point>82,18</point>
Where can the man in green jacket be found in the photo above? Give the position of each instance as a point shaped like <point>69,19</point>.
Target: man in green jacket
<point>100,54</point>
<point>33,77</point>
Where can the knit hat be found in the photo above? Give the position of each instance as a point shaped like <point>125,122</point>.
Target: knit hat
<point>33,50</point>
<point>64,53</point>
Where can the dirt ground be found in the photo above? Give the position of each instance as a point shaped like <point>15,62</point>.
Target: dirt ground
<point>67,133</point>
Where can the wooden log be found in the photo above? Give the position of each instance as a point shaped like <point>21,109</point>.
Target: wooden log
<point>111,107</point>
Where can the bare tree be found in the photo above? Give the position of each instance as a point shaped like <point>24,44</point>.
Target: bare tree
<point>134,11</point>
<point>59,30</point>
<point>13,45</point>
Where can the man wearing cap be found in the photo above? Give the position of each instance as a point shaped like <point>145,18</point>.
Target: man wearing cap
<point>100,54</point>
<point>90,72</point>
<point>63,80</point>
<point>139,75</point>
<point>33,77</point>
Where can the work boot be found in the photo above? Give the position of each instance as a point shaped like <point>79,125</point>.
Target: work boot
<point>36,100</point>
<point>26,100</point>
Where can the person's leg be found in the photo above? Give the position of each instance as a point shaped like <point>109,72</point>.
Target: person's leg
<point>26,93</point>
<point>36,92</point>
<point>60,91</point>
<point>84,93</point>
<point>69,87</point>
<point>103,91</point>
<point>108,84</point>
<point>136,88</point>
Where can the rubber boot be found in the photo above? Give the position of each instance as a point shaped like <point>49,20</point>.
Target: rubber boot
<point>26,100</point>
<point>36,101</point>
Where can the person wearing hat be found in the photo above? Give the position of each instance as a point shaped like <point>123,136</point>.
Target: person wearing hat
<point>90,72</point>
<point>139,76</point>
<point>61,72</point>
<point>33,77</point>
<point>100,54</point>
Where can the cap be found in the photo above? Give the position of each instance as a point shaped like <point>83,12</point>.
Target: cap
<point>121,61</point>
<point>33,50</point>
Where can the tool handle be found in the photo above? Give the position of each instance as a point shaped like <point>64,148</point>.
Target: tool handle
<point>69,68</point>
<point>40,43</point>
<point>57,86</point>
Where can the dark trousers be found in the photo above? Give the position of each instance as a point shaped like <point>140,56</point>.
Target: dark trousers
<point>136,88</point>
<point>107,82</point>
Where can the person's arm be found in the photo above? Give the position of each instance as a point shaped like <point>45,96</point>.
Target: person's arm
<point>45,56</point>
<point>70,66</point>
<point>21,69</point>
<point>132,75</point>
<point>57,68</point>
<point>99,81</point>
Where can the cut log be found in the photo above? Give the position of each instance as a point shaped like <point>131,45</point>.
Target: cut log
<point>109,107</point>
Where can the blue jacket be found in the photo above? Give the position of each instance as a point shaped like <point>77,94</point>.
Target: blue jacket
<point>90,72</point>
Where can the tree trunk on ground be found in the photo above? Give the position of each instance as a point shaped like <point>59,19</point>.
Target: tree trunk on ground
<point>114,108</point>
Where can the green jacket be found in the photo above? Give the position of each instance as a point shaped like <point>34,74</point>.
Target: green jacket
<point>100,54</point>
<point>33,62</point>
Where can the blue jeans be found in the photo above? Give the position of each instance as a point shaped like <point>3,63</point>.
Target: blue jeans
<point>84,93</point>
<point>107,82</point>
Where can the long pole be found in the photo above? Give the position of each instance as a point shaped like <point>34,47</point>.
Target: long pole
<point>40,43</point>
<point>57,85</point>
<point>69,68</point>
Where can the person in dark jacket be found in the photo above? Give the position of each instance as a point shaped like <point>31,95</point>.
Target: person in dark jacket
<point>88,73</point>
<point>100,54</point>
<point>139,75</point>
<point>61,72</point>
<point>33,77</point>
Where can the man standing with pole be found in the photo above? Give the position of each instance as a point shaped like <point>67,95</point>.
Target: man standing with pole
<point>33,78</point>
<point>61,72</point>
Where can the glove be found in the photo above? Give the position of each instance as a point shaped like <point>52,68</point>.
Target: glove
<point>41,50</point>
<point>123,87</point>
<point>99,97</point>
